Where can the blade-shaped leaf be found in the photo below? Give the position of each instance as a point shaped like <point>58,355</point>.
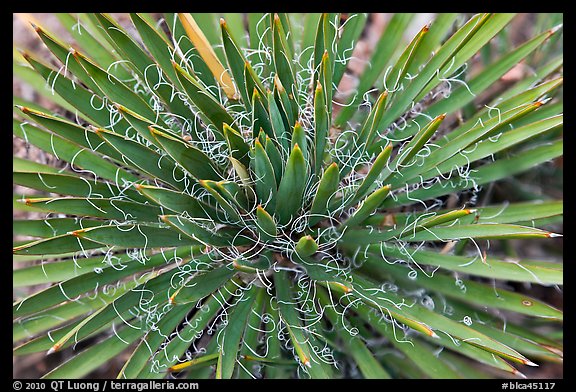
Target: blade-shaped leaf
<point>291,189</point>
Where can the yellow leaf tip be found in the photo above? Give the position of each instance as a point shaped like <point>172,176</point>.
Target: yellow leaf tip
<point>77,233</point>
<point>53,349</point>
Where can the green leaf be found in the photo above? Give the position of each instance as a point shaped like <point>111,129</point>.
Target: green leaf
<point>50,227</point>
<point>205,235</point>
<point>77,286</point>
<point>202,285</point>
<point>369,366</point>
<point>306,246</point>
<point>24,165</point>
<point>298,334</point>
<point>372,202</point>
<point>65,150</point>
<point>275,159</point>
<point>387,45</point>
<point>153,339</point>
<point>281,54</point>
<point>98,207</point>
<point>380,163</point>
<point>350,35</point>
<point>233,331</point>
<point>231,213</point>
<point>441,25</point>
<point>443,56</point>
<point>321,128</point>
<point>168,355</point>
<point>278,119</point>
<point>266,225</point>
<point>289,108</point>
<point>520,213</point>
<point>208,107</point>
<point>504,167</point>
<point>234,193</point>
<point>274,344</point>
<point>396,75</point>
<point>260,32</point>
<point>22,70</point>
<point>237,146</point>
<point>185,46</point>
<point>75,96</point>
<point>260,116</point>
<point>513,270</point>
<point>252,332</point>
<point>445,339</point>
<point>201,360</point>
<point>65,184</point>
<point>291,189</point>
<point>474,87</point>
<point>416,351</point>
<point>299,138</point>
<point>158,46</point>
<point>494,24</point>
<point>144,159</point>
<point>46,320</point>
<point>265,179</point>
<point>63,55</point>
<point>117,91</point>
<point>236,62</point>
<point>440,323</point>
<point>96,355</point>
<point>135,236</point>
<point>487,147</point>
<point>205,50</point>
<point>194,161</point>
<point>455,146</point>
<point>416,144</point>
<point>55,246</point>
<point>488,327</point>
<point>445,233</point>
<point>327,188</point>
<point>325,79</point>
<point>479,294</point>
<point>71,131</point>
<point>59,271</point>
<point>177,201</point>
<point>82,34</point>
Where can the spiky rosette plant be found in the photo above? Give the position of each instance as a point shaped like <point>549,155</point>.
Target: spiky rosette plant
<point>223,209</point>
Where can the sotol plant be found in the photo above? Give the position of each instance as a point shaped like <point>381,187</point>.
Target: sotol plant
<point>224,210</point>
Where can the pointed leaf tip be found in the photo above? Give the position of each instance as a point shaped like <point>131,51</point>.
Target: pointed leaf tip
<point>553,235</point>
<point>53,349</point>
<point>555,29</point>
